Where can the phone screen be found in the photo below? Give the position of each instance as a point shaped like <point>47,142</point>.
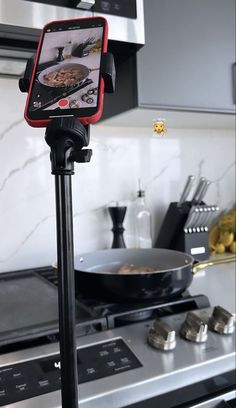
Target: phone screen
<point>67,75</point>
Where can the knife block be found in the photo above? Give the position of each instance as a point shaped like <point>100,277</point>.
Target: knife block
<point>195,244</point>
<point>173,236</point>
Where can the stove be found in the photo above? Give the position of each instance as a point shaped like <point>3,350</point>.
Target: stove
<point>172,354</point>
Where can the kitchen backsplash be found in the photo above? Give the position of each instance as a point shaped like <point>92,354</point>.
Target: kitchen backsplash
<point>120,157</point>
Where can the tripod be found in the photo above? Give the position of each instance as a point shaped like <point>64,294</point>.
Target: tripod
<point>67,138</point>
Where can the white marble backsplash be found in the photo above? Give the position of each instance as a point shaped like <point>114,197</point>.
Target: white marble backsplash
<point>120,157</point>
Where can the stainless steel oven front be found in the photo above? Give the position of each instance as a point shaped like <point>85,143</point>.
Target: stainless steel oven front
<point>21,19</point>
<point>120,368</point>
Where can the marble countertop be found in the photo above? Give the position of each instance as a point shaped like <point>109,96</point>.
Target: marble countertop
<point>218,283</point>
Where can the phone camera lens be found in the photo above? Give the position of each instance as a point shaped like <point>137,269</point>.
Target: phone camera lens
<point>74,104</point>
<point>89,100</point>
<point>84,97</point>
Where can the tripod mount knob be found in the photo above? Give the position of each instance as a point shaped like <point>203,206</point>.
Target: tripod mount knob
<point>67,137</point>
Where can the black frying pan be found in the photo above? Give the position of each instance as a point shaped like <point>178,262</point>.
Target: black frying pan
<point>96,274</point>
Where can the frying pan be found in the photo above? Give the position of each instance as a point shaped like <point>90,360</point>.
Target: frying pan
<point>85,71</point>
<point>96,274</point>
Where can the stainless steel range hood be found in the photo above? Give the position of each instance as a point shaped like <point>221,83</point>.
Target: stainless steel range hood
<point>22,20</point>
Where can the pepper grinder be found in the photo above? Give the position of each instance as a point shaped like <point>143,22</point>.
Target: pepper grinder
<point>60,57</point>
<point>117,215</point>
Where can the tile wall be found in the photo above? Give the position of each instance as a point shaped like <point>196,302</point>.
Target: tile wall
<point>120,157</point>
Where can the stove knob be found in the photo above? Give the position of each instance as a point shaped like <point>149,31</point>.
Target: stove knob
<point>221,321</point>
<point>194,328</point>
<point>161,336</point>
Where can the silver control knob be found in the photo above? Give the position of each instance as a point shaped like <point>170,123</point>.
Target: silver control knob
<point>194,328</point>
<point>162,336</point>
<point>221,321</point>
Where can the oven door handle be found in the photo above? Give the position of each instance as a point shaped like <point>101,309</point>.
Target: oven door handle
<point>227,404</point>
<point>225,400</point>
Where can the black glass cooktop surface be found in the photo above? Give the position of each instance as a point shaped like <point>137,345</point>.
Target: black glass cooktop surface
<point>26,300</point>
<point>29,308</point>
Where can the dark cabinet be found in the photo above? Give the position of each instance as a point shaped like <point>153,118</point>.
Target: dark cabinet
<point>188,60</point>
<point>186,64</point>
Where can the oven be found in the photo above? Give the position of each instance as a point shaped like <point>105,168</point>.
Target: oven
<point>19,31</point>
<point>175,353</point>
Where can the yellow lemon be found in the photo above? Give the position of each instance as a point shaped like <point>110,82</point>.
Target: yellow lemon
<point>226,238</point>
<point>220,248</point>
<point>233,247</point>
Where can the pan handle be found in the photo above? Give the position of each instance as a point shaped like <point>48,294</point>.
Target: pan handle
<point>204,264</point>
<point>93,69</point>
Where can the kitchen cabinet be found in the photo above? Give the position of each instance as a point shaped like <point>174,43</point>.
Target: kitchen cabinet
<point>186,65</point>
<point>188,60</point>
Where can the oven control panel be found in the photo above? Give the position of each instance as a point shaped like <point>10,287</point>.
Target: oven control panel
<point>122,8</point>
<point>36,377</point>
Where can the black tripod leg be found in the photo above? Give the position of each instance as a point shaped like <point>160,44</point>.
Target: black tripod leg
<point>65,259</point>
<point>66,137</point>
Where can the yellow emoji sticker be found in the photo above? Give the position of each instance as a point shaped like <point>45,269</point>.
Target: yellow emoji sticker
<point>159,127</point>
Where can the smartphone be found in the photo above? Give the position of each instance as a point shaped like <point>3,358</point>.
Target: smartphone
<point>66,79</point>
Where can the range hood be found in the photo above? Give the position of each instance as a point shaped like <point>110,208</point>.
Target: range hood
<point>22,20</point>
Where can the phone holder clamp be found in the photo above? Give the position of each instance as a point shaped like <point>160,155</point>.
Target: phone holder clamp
<point>67,137</point>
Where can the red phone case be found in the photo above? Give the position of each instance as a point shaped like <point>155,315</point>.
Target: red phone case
<point>84,120</point>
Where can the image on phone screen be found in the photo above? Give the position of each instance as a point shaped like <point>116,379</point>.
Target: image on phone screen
<point>67,75</point>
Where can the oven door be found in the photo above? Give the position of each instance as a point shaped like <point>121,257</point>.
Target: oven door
<point>216,392</point>
<point>227,400</point>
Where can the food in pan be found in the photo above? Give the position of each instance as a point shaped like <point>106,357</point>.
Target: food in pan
<point>129,269</point>
<point>64,77</point>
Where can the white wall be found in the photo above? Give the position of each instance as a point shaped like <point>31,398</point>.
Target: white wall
<point>120,157</point>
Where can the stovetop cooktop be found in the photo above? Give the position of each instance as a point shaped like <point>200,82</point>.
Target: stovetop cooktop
<point>129,355</point>
<point>29,310</point>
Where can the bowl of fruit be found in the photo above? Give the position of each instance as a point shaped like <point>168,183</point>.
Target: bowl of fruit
<point>222,235</point>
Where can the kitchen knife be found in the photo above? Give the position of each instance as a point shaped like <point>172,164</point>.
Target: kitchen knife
<point>204,217</point>
<point>204,189</point>
<point>186,190</point>
<point>213,213</point>
<point>193,214</point>
<point>196,221</point>
<point>198,190</point>
<point>210,213</point>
